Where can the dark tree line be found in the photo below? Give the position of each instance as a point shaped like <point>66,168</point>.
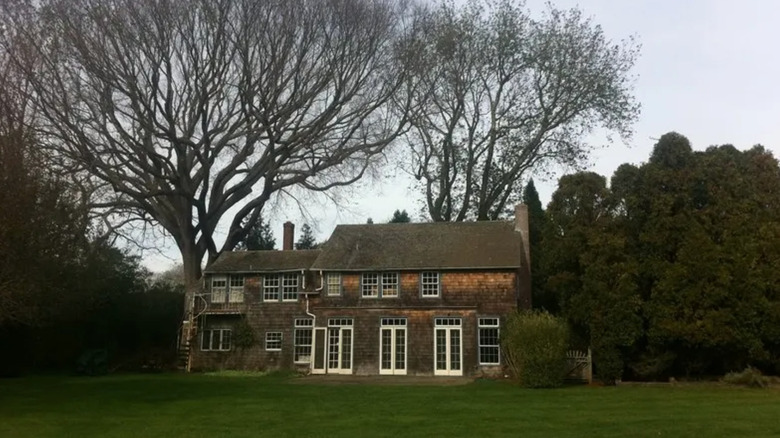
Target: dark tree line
<point>671,268</point>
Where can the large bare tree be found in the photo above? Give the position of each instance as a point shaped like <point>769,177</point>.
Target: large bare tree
<point>503,94</point>
<point>193,113</point>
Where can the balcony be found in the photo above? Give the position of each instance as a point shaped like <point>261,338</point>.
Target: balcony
<point>221,302</point>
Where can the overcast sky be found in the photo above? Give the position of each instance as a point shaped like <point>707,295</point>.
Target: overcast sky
<point>709,69</point>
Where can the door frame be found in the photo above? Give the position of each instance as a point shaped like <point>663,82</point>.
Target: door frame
<point>393,346</point>
<point>448,328</point>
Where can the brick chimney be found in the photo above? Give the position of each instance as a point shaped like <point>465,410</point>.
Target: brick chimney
<point>289,236</point>
<point>521,226</point>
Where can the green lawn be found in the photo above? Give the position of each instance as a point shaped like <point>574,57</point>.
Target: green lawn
<point>218,406</point>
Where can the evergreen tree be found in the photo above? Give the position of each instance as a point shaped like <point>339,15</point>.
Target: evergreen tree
<point>259,237</point>
<point>306,241</point>
<point>400,217</point>
<point>536,223</point>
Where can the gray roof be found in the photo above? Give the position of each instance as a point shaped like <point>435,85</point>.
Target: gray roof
<point>442,245</point>
<point>263,261</point>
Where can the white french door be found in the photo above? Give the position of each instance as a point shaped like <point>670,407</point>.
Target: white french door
<point>392,346</point>
<point>339,360</point>
<point>448,346</point>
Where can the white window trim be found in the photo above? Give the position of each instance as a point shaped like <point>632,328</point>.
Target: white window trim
<point>267,340</point>
<point>282,291</point>
<point>491,322</point>
<point>394,323</point>
<point>337,285</point>
<point>381,285</point>
<point>267,287</point>
<point>423,284</point>
<point>303,324</point>
<point>222,290</point>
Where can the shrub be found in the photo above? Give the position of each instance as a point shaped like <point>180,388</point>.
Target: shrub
<point>243,335</point>
<point>534,346</point>
<point>750,376</point>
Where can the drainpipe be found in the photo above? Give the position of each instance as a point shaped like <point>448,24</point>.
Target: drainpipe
<point>313,316</point>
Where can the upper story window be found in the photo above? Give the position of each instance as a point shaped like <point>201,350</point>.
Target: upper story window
<point>333,284</point>
<point>271,287</point>
<point>430,284</point>
<point>290,287</point>
<point>218,289</point>
<point>236,291</point>
<point>227,289</point>
<point>280,287</point>
<point>384,285</point>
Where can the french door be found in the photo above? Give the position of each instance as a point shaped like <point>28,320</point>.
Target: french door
<point>340,346</point>
<point>448,345</point>
<point>392,346</point>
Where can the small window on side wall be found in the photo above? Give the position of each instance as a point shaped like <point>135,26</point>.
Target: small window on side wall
<point>430,284</point>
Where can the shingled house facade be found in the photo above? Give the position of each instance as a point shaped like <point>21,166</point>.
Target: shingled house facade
<point>409,299</point>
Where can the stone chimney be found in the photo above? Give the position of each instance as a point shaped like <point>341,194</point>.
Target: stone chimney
<point>521,226</point>
<point>289,236</point>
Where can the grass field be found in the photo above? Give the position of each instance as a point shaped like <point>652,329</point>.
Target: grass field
<point>177,405</point>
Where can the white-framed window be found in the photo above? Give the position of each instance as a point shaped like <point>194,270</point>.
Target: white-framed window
<point>215,339</point>
<point>236,291</point>
<point>273,341</point>
<point>389,284</point>
<point>340,322</point>
<point>369,285</point>
<point>333,284</point>
<point>384,285</point>
<point>447,321</point>
<point>271,287</point>
<point>430,284</point>
<point>302,340</point>
<point>290,287</point>
<point>489,347</point>
<point>218,288</point>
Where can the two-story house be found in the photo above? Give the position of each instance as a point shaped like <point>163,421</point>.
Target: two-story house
<point>418,299</point>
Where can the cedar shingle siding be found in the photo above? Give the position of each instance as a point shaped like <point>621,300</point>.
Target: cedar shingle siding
<point>482,273</point>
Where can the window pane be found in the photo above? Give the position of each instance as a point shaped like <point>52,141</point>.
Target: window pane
<point>226,339</point>
<point>290,287</point>
<point>370,285</point>
<point>271,287</point>
<point>429,284</point>
<point>303,338</point>
<point>389,284</point>
<point>333,284</point>
<point>273,340</point>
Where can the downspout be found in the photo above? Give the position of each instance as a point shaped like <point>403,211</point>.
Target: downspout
<point>313,316</point>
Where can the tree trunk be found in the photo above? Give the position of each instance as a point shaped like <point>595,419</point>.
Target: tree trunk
<point>191,258</point>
